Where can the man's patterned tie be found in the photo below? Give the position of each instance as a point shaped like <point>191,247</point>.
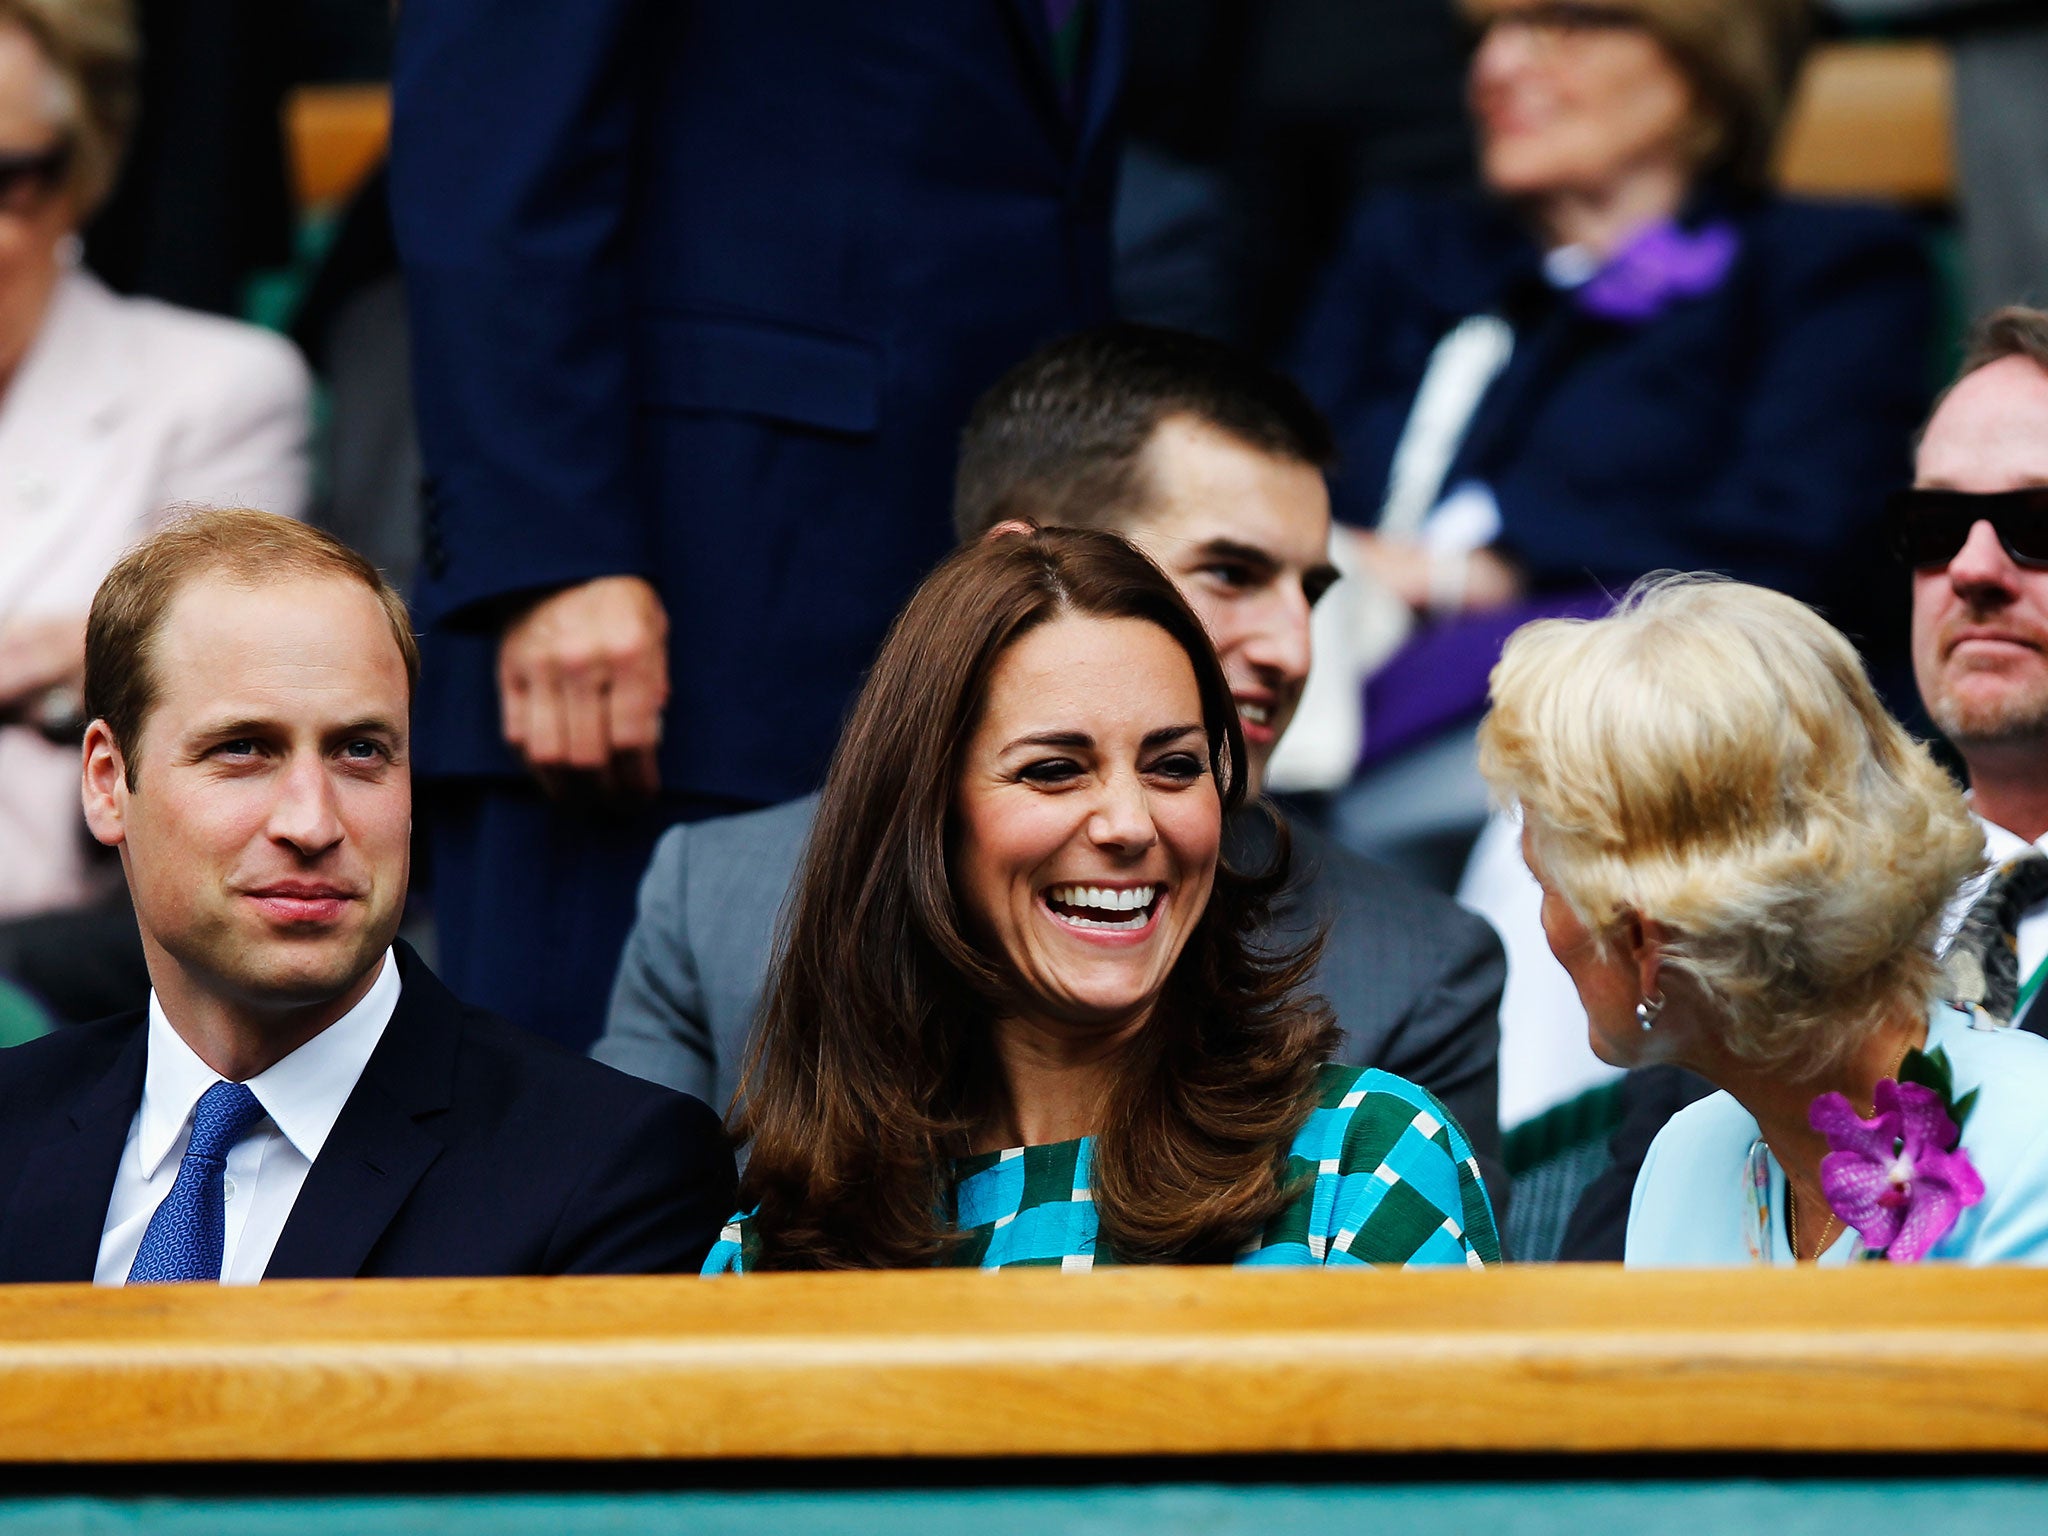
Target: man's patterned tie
<point>184,1238</point>
<point>1984,963</point>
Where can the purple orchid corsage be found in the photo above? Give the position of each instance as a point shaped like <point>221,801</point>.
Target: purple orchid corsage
<point>1900,1178</point>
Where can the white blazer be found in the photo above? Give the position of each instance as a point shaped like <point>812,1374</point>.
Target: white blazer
<point>121,409</point>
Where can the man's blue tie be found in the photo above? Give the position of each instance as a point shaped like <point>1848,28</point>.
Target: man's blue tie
<point>184,1238</point>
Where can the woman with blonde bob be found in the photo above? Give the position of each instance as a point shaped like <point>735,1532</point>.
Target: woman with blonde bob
<point>1745,864</point>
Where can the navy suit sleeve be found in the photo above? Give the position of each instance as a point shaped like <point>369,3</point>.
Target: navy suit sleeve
<point>1819,435</point>
<point>654,1201</point>
<point>513,134</point>
<point>659,1024</point>
<point>1449,1040</point>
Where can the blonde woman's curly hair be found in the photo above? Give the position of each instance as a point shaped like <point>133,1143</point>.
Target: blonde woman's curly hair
<point>1711,757</point>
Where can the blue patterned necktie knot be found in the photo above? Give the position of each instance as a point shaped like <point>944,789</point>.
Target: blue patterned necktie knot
<point>185,1238</point>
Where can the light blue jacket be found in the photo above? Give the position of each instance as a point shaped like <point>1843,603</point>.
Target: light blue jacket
<point>1694,1204</point>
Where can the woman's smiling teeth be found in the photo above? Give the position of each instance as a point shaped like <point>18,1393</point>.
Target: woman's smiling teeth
<point>1101,906</point>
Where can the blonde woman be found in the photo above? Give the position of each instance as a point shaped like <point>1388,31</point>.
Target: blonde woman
<point>1745,862</point>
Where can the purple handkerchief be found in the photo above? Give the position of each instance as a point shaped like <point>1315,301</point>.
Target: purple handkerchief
<point>1660,266</point>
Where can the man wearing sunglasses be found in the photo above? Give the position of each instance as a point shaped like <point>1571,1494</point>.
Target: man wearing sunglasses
<point>1974,529</point>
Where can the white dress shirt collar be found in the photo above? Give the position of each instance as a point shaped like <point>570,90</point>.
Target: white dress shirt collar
<point>303,1094</point>
<point>2001,845</point>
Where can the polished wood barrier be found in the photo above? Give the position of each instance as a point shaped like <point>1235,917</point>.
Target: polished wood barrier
<point>1873,119</point>
<point>1132,1362</point>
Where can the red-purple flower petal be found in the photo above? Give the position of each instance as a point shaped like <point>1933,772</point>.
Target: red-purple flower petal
<point>1892,1177</point>
<point>1854,1186</point>
<point>1921,1116</point>
<point>1933,1211</point>
<point>1835,1118</point>
<point>1962,1176</point>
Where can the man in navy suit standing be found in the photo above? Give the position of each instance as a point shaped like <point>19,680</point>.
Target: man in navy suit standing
<point>701,295</point>
<point>302,1098</point>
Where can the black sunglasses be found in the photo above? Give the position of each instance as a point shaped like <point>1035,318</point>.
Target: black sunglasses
<point>1928,528</point>
<point>24,177</point>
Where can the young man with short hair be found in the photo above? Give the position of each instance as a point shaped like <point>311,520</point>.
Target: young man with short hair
<point>301,1097</point>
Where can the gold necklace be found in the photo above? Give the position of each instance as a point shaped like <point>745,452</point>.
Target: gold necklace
<point>1792,1219</point>
<point>1792,1195</point>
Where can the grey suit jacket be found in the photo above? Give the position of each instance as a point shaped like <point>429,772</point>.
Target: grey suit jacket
<point>1415,979</point>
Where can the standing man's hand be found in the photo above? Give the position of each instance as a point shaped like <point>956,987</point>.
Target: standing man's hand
<point>582,682</point>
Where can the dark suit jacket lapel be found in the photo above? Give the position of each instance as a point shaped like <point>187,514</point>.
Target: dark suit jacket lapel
<point>67,1181</point>
<point>1545,350</point>
<point>1032,38</point>
<point>1036,33</point>
<point>1078,130</point>
<point>378,1149</point>
<point>1102,71</point>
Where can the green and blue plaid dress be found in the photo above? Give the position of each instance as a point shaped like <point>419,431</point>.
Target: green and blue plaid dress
<point>1386,1177</point>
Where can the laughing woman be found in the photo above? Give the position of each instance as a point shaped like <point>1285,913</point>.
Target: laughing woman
<point>1018,1017</point>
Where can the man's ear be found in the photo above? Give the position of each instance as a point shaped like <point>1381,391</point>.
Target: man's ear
<point>103,785</point>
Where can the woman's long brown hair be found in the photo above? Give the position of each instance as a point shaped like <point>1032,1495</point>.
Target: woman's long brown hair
<point>874,1061</point>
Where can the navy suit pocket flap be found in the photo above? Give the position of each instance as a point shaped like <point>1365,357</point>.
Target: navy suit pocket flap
<point>758,368</point>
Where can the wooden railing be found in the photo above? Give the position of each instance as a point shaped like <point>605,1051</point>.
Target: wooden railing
<point>1137,1362</point>
<point>1873,120</point>
<point>335,134</point>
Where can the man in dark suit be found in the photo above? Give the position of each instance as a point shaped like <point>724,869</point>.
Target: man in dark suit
<point>302,1097</point>
<point>700,297</point>
<point>1214,467</point>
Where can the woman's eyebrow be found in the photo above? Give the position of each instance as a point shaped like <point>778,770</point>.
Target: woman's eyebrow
<point>1078,741</point>
<point>1169,733</point>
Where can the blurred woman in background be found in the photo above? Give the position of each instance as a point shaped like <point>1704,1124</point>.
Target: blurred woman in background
<point>1018,1017</point>
<point>111,409</point>
<point>1627,355</point>
<point>1745,862</point>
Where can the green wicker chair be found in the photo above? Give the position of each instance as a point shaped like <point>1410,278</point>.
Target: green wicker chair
<point>1550,1161</point>
<point>21,1017</point>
